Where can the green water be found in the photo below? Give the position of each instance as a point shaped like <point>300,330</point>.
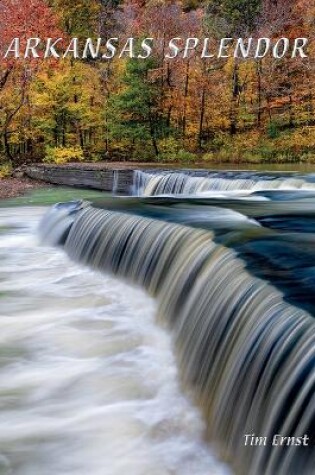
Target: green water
<point>51,195</point>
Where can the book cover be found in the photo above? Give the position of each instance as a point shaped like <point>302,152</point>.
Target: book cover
<point>157,237</point>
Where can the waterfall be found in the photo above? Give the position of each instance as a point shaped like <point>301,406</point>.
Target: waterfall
<point>246,354</point>
<point>56,224</point>
<point>115,181</point>
<point>179,183</point>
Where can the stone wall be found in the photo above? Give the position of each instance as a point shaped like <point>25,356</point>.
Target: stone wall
<point>110,179</point>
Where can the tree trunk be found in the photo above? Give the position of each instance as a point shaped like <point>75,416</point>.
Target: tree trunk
<point>186,89</point>
<point>259,93</point>
<point>6,144</point>
<point>234,100</point>
<point>202,115</point>
<point>152,134</point>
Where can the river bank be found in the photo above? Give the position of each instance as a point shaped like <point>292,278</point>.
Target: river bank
<point>117,176</point>
<point>13,187</point>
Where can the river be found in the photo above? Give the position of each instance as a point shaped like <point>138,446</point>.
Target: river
<point>149,334</point>
<point>88,381</point>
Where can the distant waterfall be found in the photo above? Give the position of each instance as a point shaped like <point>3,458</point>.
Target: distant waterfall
<point>248,355</point>
<point>176,183</point>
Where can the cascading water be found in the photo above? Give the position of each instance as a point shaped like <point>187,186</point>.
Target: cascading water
<point>175,183</point>
<point>88,381</point>
<point>247,354</point>
<point>229,259</point>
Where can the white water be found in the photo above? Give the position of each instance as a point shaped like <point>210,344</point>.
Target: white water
<point>88,382</point>
<point>214,184</point>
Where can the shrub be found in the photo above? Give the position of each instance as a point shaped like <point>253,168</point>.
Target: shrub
<point>169,146</point>
<point>182,156</point>
<point>185,156</point>
<point>225,156</point>
<point>308,157</point>
<point>5,170</point>
<point>219,140</point>
<point>171,151</point>
<point>251,156</point>
<point>94,157</point>
<point>62,155</point>
<point>208,157</point>
<point>142,153</point>
<point>273,130</point>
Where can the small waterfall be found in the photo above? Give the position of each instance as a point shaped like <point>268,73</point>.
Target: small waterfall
<point>139,182</point>
<point>192,183</point>
<point>56,224</point>
<point>115,181</point>
<point>248,355</point>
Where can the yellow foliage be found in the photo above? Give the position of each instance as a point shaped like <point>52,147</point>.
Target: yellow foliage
<point>62,155</point>
<point>5,170</point>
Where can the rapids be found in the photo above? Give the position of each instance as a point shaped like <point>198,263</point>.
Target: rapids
<point>246,353</point>
<point>88,381</point>
<point>197,182</point>
<point>206,281</point>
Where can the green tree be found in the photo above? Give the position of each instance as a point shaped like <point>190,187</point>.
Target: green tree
<point>234,17</point>
<point>80,18</point>
<point>135,114</point>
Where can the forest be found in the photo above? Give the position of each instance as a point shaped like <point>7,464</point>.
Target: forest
<point>185,109</point>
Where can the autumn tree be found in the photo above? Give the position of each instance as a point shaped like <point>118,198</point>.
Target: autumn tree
<point>235,17</point>
<point>128,107</point>
<point>78,19</point>
<point>65,112</point>
<point>19,19</point>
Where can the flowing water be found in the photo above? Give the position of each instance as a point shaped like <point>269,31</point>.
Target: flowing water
<point>196,290</point>
<point>197,182</point>
<point>88,380</point>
